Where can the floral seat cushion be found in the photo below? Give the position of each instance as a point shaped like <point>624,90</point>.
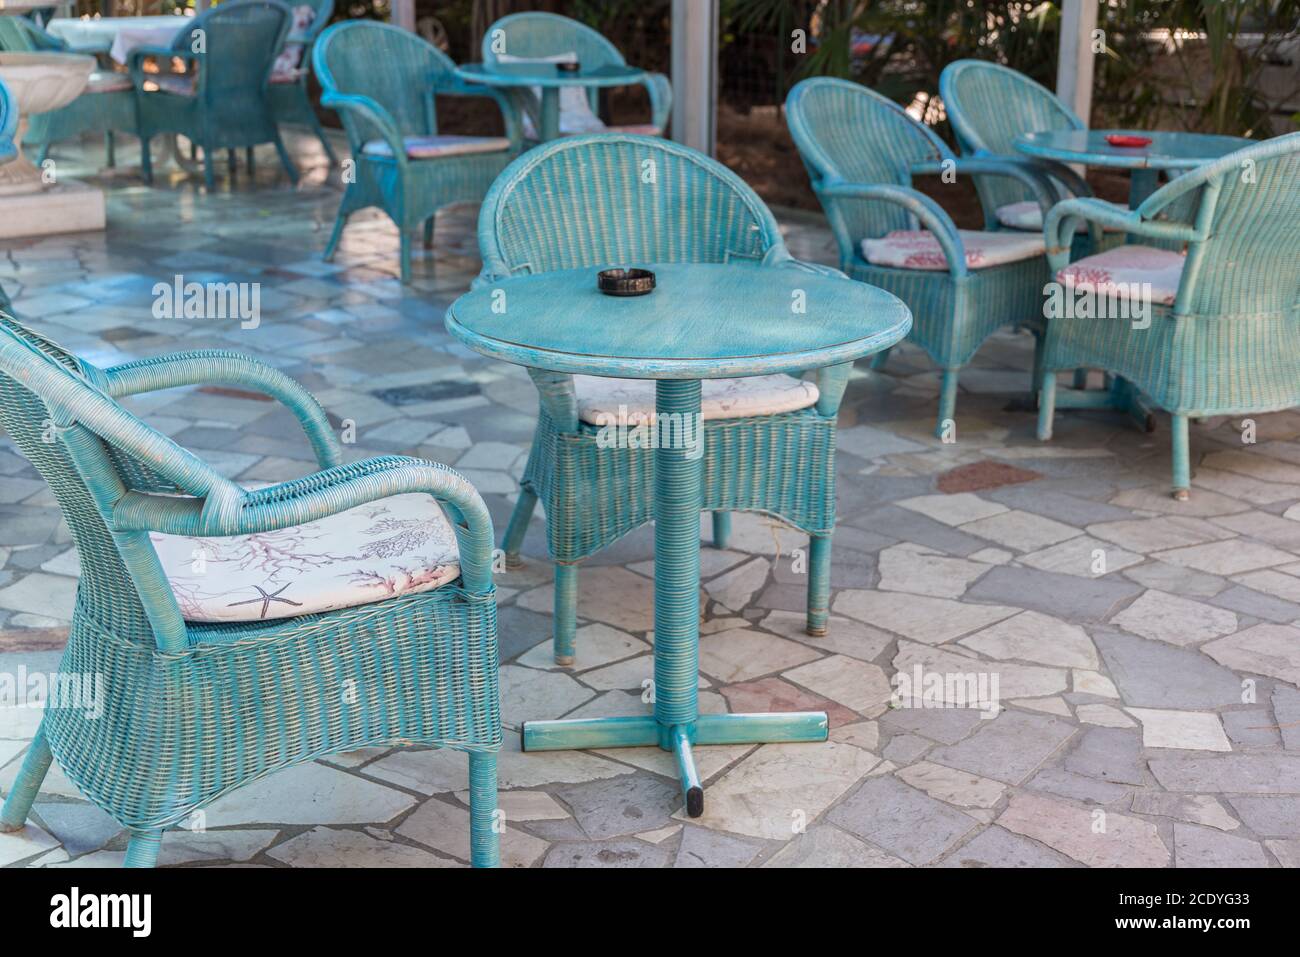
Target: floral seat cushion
<point>603,401</point>
<point>400,545</point>
<point>287,67</point>
<point>432,147</point>
<point>919,249</point>
<point>106,81</point>
<point>1029,215</point>
<point>1122,272</point>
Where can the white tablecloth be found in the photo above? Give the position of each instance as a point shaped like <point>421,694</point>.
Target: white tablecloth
<point>117,36</point>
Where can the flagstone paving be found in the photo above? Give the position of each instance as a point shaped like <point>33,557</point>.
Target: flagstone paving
<point>1146,652</point>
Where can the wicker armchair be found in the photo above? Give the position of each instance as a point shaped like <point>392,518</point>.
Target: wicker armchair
<point>107,106</point>
<point>193,709</point>
<point>550,36</point>
<point>769,442</point>
<point>861,151</point>
<point>290,100</point>
<point>221,100</point>
<point>382,81</point>
<point>1222,333</point>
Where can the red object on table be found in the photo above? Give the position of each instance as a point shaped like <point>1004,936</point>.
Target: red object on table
<point>1119,139</point>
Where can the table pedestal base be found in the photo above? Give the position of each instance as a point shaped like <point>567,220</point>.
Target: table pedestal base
<point>677,724</point>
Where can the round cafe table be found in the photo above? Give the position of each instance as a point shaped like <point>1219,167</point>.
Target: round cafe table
<point>117,36</point>
<point>550,81</point>
<point>1168,151</point>
<point>703,321</point>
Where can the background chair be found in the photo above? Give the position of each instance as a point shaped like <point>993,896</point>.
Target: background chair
<point>776,455</point>
<point>107,106</point>
<point>221,100</point>
<point>1224,320</point>
<point>382,81</point>
<point>548,36</point>
<point>290,100</point>
<point>204,687</point>
<point>861,151</point>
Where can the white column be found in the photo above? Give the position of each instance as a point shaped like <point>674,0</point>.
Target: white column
<point>1075,63</point>
<point>403,14</point>
<point>695,73</point>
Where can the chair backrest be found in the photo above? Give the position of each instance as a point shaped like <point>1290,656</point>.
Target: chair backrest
<point>8,124</point>
<point>322,10</point>
<point>540,35</point>
<point>1249,211</point>
<point>240,43</point>
<point>989,105</point>
<point>39,418</point>
<point>608,199</point>
<point>21,35</point>
<point>847,132</point>
<point>394,67</point>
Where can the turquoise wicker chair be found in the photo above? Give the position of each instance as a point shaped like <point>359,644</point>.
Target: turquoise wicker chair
<point>290,101</point>
<point>8,127</point>
<point>107,106</point>
<point>1224,332</point>
<point>582,202</point>
<point>221,101</point>
<point>542,35</point>
<point>989,105</point>
<point>190,711</point>
<point>382,81</point>
<point>861,151</point>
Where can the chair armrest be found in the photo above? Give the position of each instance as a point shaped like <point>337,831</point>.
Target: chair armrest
<point>232,368</point>
<point>365,110</point>
<point>1027,176</point>
<point>455,86</point>
<point>925,209</point>
<point>1066,182</point>
<point>660,89</point>
<point>1059,226</point>
<point>318,496</point>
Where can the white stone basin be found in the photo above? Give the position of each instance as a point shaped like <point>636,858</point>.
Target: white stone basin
<point>40,82</point>
<point>21,6</point>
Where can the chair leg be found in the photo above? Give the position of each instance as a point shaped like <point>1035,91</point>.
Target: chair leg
<point>314,122</point>
<point>286,160</point>
<point>332,246</point>
<point>428,233</point>
<point>26,786</point>
<point>880,358</point>
<point>250,160</point>
<point>565,615</point>
<point>947,401</point>
<point>209,176</point>
<point>721,529</point>
<point>1046,404</point>
<point>142,849</point>
<point>819,583</point>
<point>1080,379</point>
<point>110,149</point>
<point>406,255</point>
<point>1181,457</point>
<point>233,164</point>
<point>146,160</point>
<point>42,154</point>
<point>484,842</point>
<point>518,527</point>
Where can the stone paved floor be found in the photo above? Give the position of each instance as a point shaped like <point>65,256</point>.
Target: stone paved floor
<point>1149,709</point>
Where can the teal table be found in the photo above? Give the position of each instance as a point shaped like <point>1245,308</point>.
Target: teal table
<point>550,81</point>
<point>1167,151</point>
<point>704,321</point>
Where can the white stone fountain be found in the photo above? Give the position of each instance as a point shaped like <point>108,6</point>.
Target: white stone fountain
<point>33,203</point>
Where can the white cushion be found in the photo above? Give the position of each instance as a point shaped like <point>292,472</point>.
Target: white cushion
<point>400,545</point>
<point>106,81</point>
<point>575,109</point>
<point>600,400</point>
<point>1120,272</point>
<point>919,249</point>
<point>1029,215</point>
<point>430,147</point>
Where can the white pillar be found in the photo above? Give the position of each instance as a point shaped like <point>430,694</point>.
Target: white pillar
<point>403,14</point>
<point>1075,63</point>
<point>695,73</point>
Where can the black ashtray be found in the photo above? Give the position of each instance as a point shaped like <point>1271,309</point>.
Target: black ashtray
<point>625,282</point>
<point>568,67</point>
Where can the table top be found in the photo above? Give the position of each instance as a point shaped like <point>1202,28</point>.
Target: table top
<point>702,321</point>
<point>1167,150</point>
<point>545,74</point>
